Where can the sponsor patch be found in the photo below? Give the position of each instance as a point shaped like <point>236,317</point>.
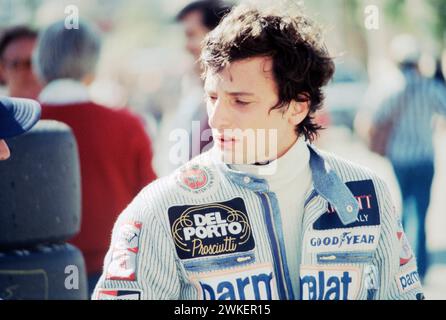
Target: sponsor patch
<point>105,294</point>
<point>329,283</point>
<point>195,178</point>
<point>256,282</point>
<point>368,215</point>
<point>408,280</point>
<point>346,240</point>
<point>406,253</point>
<point>211,229</point>
<point>345,257</point>
<point>219,263</point>
<point>125,251</point>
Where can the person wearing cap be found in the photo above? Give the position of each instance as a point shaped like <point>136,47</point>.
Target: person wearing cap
<point>409,111</point>
<point>17,116</point>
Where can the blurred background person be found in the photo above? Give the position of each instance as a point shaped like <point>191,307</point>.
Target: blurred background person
<point>115,152</point>
<point>404,122</point>
<point>16,46</point>
<point>197,19</point>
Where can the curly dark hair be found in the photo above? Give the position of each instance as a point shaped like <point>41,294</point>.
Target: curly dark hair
<point>301,62</point>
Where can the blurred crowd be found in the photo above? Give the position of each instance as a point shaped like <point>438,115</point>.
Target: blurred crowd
<point>121,150</point>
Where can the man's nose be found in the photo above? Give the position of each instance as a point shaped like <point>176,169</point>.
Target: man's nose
<point>4,150</point>
<point>219,115</point>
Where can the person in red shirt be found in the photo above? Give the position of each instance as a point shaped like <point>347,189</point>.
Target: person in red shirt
<point>114,150</point>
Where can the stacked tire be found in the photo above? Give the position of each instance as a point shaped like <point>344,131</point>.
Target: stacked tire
<point>40,209</point>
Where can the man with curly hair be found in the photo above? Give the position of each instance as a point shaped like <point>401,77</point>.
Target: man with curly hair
<point>264,214</point>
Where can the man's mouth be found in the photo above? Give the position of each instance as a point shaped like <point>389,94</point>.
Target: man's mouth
<point>226,142</point>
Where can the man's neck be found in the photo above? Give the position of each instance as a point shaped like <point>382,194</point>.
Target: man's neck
<point>286,148</point>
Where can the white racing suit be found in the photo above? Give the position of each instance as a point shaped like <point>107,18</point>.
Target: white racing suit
<point>208,232</point>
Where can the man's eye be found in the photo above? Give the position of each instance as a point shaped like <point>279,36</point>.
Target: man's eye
<point>243,103</point>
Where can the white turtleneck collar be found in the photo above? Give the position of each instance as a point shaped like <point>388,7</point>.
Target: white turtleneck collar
<point>286,168</point>
<point>290,183</point>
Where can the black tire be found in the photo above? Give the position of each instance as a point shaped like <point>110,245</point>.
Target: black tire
<point>40,187</point>
<point>43,273</point>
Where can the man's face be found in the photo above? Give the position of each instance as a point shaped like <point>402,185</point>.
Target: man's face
<point>4,150</point>
<point>195,32</point>
<point>240,97</point>
<point>17,71</point>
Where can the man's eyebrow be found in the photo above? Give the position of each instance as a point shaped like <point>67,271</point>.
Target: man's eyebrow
<point>241,93</point>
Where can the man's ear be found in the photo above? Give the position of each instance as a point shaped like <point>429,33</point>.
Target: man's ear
<point>298,111</point>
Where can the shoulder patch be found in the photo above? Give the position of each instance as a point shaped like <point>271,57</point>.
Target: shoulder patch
<point>124,253</point>
<point>408,280</point>
<point>195,178</point>
<point>406,253</point>
<point>211,229</point>
<point>113,294</point>
<point>364,192</point>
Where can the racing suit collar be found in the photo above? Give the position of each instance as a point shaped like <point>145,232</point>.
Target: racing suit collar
<point>326,183</point>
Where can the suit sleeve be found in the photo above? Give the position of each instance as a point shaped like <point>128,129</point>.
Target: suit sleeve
<point>141,261</point>
<point>398,277</point>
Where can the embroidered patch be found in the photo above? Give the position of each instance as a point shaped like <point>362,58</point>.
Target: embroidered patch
<point>329,283</point>
<point>368,215</point>
<point>211,229</point>
<point>406,253</point>
<point>106,294</point>
<point>124,253</point>
<point>236,260</point>
<point>346,240</point>
<point>345,257</point>
<point>408,280</point>
<point>195,178</point>
<point>256,282</point>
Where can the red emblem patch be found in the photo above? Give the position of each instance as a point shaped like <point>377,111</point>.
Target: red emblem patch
<point>406,252</point>
<point>194,178</point>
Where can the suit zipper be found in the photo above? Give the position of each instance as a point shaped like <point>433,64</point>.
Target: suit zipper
<point>280,262</point>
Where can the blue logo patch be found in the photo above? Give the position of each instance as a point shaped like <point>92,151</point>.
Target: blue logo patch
<point>368,215</point>
<point>329,283</point>
<point>256,282</point>
<point>408,280</point>
<point>346,238</point>
<point>235,290</point>
<point>211,229</point>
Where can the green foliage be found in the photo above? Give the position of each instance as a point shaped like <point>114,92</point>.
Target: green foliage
<point>439,24</point>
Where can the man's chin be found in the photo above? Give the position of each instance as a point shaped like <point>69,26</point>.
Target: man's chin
<point>231,157</point>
